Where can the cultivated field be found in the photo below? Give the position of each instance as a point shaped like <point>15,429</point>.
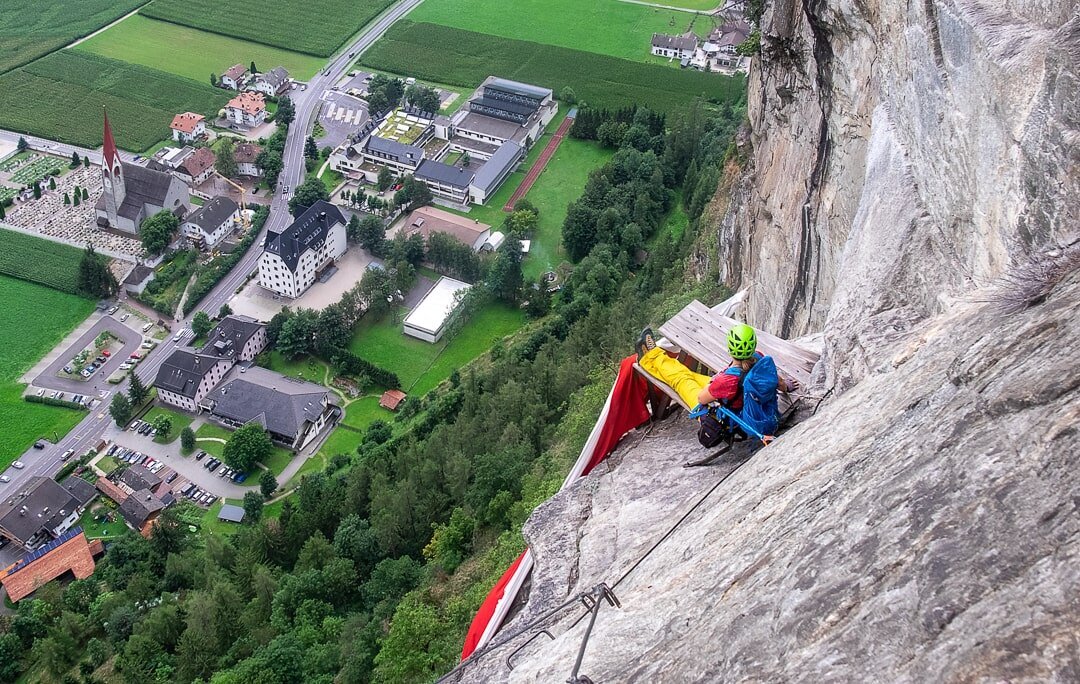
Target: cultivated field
<point>31,28</point>
<point>465,58</point>
<point>192,53</point>
<point>41,261</point>
<point>33,319</point>
<point>317,27</point>
<point>607,27</point>
<point>61,96</point>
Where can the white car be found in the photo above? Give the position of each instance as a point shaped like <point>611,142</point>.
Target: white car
<point>179,336</point>
<point>124,317</point>
<point>67,454</point>
<point>113,309</point>
<point>5,478</point>
<point>18,465</point>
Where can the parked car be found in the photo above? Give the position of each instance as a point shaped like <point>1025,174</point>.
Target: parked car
<point>40,444</point>
<point>239,477</point>
<point>5,478</point>
<point>215,466</point>
<point>67,454</point>
<point>135,355</point>
<point>41,392</point>
<point>147,344</point>
<point>147,327</point>
<point>124,317</point>
<point>67,369</point>
<point>125,366</point>
<point>171,478</point>
<point>106,353</point>
<point>18,465</point>
<point>113,310</point>
<point>199,456</point>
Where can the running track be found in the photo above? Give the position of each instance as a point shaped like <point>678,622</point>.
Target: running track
<point>538,167</point>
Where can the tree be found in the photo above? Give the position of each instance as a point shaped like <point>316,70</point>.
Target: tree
<point>22,144</point>
<point>11,653</point>
<point>248,445</point>
<point>224,311</point>
<point>385,179</point>
<point>75,160</point>
<point>201,324</point>
<point>286,112</point>
<point>332,331</point>
<point>252,68</point>
<point>157,231</point>
<point>76,197</point>
<point>37,189</point>
<point>268,484</point>
<point>86,161</point>
<point>311,150</point>
<point>466,160</point>
<point>504,278</point>
<point>352,228</point>
<point>213,80</point>
<point>120,409</point>
<point>567,95</point>
<point>4,213</point>
<point>372,234</point>
<point>422,97</point>
<point>95,279</point>
<point>187,439</point>
<point>253,507</point>
<point>163,425</point>
<point>297,336</point>
<point>52,183</point>
<point>522,222</point>
<point>226,159</point>
<point>413,193</point>
<point>85,194</point>
<point>137,391</point>
<point>67,200</point>
<point>276,323</point>
<point>307,193</point>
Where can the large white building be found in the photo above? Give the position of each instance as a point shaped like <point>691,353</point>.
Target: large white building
<point>430,318</point>
<point>211,223</point>
<point>187,377</point>
<point>292,259</point>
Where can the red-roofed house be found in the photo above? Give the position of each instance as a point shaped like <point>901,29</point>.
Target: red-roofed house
<point>391,399</point>
<point>197,167</point>
<point>248,109</point>
<point>70,553</point>
<point>188,127</point>
<point>234,77</point>
<point>111,490</point>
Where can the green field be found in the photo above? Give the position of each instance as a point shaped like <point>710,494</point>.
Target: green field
<point>33,319</point>
<point>179,422</point>
<point>421,365</point>
<point>61,97</point>
<point>41,261</point>
<point>316,27</point>
<point>607,27</point>
<point>192,53</point>
<point>30,29</point>
<point>465,58</point>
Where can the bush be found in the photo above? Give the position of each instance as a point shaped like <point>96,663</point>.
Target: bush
<point>350,364</point>
<point>49,401</point>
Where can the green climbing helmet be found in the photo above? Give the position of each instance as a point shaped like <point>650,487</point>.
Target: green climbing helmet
<point>741,341</point>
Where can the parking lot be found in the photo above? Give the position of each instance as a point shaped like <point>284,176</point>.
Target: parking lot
<point>49,380</point>
<point>340,115</point>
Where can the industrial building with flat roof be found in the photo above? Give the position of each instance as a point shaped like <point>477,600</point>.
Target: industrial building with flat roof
<point>429,320</point>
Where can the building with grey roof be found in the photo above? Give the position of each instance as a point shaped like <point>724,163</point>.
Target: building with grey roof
<point>270,83</point>
<point>445,181</point>
<point>144,193</point>
<point>186,377</point>
<point>240,338</point>
<point>38,512</point>
<point>292,259</point>
<point>401,158</point>
<point>502,110</point>
<point>495,170</point>
<point>82,491</point>
<point>211,223</point>
<point>231,513</point>
<point>138,477</point>
<point>292,411</point>
<point>140,510</point>
<point>677,47</point>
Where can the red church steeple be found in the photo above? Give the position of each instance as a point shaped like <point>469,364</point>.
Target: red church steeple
<point>110,156</point>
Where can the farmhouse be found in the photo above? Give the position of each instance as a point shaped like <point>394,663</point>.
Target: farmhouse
<point>40,512</point>
<point>293,258</point>
<point>675,47</point>
<point>431,317</point>
<point>240,338</point>
<point>428,220</point>
<point>132,193</point>
<point>273,82</point>
<point>141,510</point>
<point>245,155</point>
<point>69,553</point>
<point>292,411</point>
<point>234,77</point>
<point>211,223</point>
<point>185,378</point>
<point>247,109</point>
<point>197,167</point>
<point>188,127</point>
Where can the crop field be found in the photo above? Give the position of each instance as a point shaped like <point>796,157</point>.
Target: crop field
<point>191,53</point>
<point>40,261</point>
<point>31,28</point>
<point>607,27</point>
<point>33,319</point>
<point>465,58</point>
<point>315,27</point>
<point>61,97</point>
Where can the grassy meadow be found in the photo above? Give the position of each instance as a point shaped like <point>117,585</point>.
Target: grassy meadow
<point>33,319</point>
<point>30,28</point>
<point>189,52</point>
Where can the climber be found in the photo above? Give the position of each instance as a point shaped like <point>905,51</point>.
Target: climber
<point>725,387</point>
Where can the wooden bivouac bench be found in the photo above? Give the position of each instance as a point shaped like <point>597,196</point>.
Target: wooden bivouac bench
<point>701,335</point>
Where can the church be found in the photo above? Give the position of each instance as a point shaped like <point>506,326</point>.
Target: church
<point>133,193</point>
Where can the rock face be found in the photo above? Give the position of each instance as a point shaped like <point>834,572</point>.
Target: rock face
<point>921,527</point>
<point>903,153</point>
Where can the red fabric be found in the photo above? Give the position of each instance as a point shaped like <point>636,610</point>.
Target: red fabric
<point>487,609</point>
<point>627,411</point>
<point>724,387</point>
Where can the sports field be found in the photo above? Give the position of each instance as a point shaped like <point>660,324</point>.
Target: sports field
<point>316,27</point>
<point>61,97</point>
<point>191,53</point>
<point>33,319</point>
<point>607,27</point>
<point>31,28</point>
<point>466,58</point>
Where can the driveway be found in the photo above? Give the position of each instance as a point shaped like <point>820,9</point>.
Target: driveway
<point>49,378</point>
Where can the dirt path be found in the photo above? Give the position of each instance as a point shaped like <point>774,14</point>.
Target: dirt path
<point>105,27</point>
<point>179,314</point>
<point>538,167</point>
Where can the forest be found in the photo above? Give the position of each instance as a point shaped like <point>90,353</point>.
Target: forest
<point>374,568</point>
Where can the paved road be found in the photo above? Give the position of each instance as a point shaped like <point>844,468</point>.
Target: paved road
<point>87,434</point>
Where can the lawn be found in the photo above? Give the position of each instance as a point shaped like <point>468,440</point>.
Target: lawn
<point>95,529</point>
<point>25,337</point>
<point>361,412</point>
<point>61,96</point>
<point>107,464</point>
<point>465,58</point>
<point>342,441</point>
<point>210,523</point>
<point>30,28</point>
<point>192,53</point>
<point>278,459</point>
<point>38,260</point>
<point>179,422</point>
<point>315,27</point>
<point>606,27</point>
<point>421,365</point>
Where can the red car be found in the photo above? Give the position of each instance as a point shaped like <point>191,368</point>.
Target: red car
<point>106,353</point>
<point>135,355</point>
<point>397,187</point>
